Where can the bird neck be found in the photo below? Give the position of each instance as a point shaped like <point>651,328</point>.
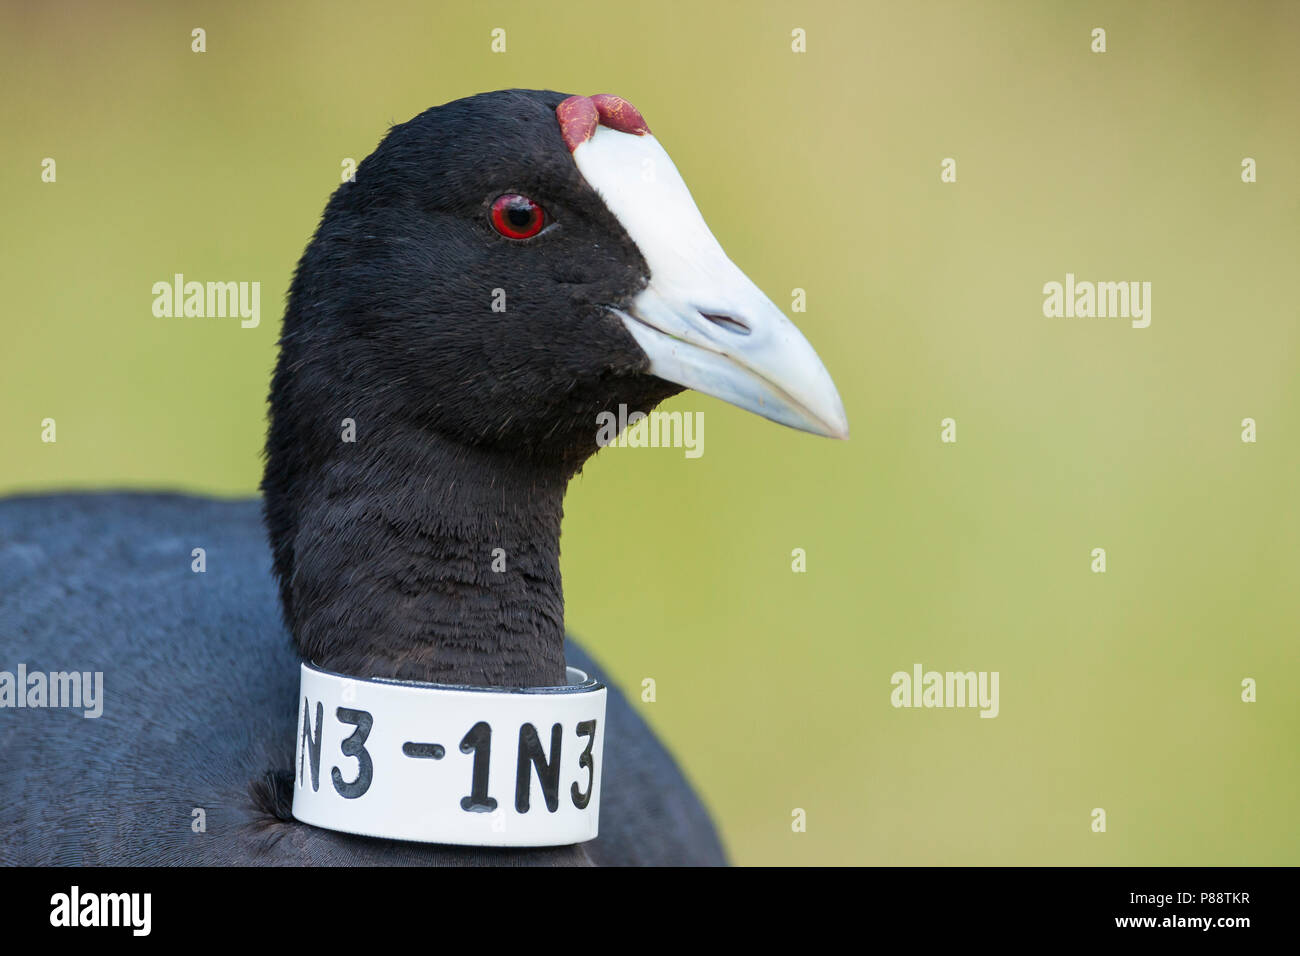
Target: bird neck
<point>420,559</point>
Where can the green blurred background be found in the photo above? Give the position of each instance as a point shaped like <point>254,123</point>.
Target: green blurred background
<point>819,171</point>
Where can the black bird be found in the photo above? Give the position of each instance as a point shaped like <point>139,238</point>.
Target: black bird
<point>503,269</point>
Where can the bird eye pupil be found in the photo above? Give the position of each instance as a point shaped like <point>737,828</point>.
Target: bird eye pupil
<point>517,217</point>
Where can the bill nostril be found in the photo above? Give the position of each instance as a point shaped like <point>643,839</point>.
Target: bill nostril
<point>728,322</point>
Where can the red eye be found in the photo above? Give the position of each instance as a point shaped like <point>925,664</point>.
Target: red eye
<point>517,217</point>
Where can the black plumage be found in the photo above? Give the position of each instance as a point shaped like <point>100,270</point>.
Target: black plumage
<point>468,424</point>
<point>201,684</point>
<point>441,377</point>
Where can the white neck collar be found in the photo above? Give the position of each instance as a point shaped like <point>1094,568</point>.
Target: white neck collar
<point>440,763</point>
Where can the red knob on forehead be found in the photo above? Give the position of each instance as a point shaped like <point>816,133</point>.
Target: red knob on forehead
<point>578,119</point>
<point>617,113</point>
<point>580,115</point>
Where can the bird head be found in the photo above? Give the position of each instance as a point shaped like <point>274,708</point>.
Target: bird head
<point>506,267</point>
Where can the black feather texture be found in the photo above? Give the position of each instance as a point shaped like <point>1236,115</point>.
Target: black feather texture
<point>469,421</point>
<point>468,424</point>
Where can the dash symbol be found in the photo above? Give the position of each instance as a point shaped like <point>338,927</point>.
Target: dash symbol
<point>431,751</point>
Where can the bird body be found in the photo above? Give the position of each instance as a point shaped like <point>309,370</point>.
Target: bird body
<point>421,440</point>
<point>200,685</point>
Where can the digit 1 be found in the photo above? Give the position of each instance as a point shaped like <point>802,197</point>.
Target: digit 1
<point>479,740</point>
